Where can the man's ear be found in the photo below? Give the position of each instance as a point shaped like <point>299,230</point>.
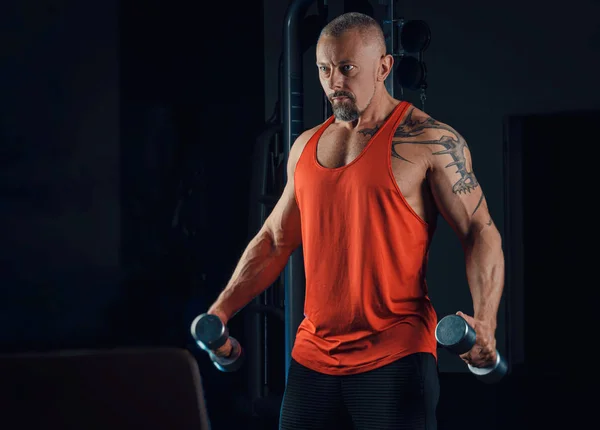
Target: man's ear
<point>385,67</point>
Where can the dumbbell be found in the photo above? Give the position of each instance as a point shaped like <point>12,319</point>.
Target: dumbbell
<point>210,334</point>
<point>453,333</point>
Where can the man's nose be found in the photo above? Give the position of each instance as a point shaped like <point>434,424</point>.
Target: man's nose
<point>335,81</point>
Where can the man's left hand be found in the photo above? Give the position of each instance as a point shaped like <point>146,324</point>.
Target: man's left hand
<point>483,353</point>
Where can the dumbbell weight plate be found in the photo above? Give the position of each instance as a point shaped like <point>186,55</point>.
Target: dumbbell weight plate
<point>209,332</point>
<point>415,36</point>
<point>490,374</point>
<point>411,73</point>
<point>453,333</point>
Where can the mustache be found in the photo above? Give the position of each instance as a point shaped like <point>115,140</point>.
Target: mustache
<point>341,94</point>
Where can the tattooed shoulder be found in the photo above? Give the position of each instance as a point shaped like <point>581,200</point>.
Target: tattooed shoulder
<point>417,123</point>
<point>418,128</point>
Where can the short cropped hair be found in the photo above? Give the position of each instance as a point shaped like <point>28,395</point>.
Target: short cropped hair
<point>366,25</point>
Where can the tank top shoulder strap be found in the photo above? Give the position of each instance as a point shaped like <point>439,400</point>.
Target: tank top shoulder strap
<point>315,137</point>
<point>398,115</point>
<point>388,128</point>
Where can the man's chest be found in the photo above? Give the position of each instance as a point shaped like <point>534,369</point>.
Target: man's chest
<point>337,148</point>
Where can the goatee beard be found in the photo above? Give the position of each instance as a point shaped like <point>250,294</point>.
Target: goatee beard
<point>345,111</point>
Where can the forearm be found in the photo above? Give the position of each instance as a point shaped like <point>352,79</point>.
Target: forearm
<point>485,273</point>
<point>260,265</point>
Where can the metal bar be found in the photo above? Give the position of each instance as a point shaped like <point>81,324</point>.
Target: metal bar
<point>254,322</point>
<point>293,126</point>
<point>390,40</point>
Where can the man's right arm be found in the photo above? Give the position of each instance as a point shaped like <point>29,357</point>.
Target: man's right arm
<point>267,254</point>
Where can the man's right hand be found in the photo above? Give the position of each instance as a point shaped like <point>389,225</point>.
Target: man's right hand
<point>224,350</point>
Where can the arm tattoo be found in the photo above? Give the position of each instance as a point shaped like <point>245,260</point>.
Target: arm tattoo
<point>477,207</point>
<point>400,157</point>
<point>453,143</point>
<point>371,132</point>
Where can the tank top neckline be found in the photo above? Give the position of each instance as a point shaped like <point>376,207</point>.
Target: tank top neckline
<point>330,120</point>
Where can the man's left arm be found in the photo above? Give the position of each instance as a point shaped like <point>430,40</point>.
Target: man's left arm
<point>461,201</point>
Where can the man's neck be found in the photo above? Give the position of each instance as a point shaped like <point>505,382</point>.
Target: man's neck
<point>375,115</point>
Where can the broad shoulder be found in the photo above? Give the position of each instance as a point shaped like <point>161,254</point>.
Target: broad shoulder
<point>433,137</point>
<point>301,141</point>
<point>436,143</point>
<point>418,125</point>
<point>299,144</point>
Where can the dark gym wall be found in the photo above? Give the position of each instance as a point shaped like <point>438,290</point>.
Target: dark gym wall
<point>484,62</point>
<point>191,109</point>
<point>59,154</point>
<point>126,133</point>
<point>109,114</point>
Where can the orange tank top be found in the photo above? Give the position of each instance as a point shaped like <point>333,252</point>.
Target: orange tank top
<point>365,258</point>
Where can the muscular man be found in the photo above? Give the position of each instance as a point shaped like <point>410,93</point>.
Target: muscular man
<point>364,191</point>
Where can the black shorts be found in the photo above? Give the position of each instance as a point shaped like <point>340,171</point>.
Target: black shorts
<point>401,395</point>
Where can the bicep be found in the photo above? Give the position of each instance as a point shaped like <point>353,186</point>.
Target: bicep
<point>457,192</point>
<point>283,223</point>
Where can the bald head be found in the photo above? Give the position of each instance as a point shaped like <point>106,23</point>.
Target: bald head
<point>368,28</point>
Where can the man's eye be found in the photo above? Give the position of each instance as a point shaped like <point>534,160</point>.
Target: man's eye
<point>347,68</point>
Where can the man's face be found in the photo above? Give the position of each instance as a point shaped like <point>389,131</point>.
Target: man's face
<point>347,71</point>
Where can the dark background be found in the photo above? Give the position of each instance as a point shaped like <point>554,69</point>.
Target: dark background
<point>126,141</point>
